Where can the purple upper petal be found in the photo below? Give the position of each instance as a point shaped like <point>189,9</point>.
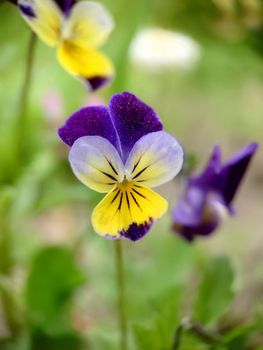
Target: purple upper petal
<point>209,177</point>
<point>132,119</point>
<point>234,170</point>
<point>88,121</point>
<point>123,123</point>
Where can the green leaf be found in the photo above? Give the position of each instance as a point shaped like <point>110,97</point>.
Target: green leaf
<point>215,291</point>
<point>190,342</point>
<point>51,283</point>
<point>146,337</point>
<point>159,333</point>
<point>42,341</point>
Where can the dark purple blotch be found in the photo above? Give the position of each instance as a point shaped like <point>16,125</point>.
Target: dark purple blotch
<point>136,232</point>
<point>96,83</point>
<point>27,11</point>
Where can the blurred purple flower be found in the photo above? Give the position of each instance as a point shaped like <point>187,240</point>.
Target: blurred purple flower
<point>209,196</point>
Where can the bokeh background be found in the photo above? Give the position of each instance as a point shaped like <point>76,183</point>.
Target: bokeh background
<point>57,277</point>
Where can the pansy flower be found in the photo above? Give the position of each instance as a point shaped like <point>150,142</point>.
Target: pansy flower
<point>122,150</point>
<point>209,196</point>
<point>77,30</point>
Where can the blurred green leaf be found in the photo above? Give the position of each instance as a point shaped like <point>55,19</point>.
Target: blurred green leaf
<point>159,333</point>
<point>146,338</point>
<point>42,341</point>
<point>191,342</point>
<point>215,291</point>
<point>51,283</point>
<point>30,184</point>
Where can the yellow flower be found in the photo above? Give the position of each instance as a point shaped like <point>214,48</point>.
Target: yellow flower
<point>77,30</point>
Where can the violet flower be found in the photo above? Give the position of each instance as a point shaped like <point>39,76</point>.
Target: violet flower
<point>121,150</point>
<point>210,194</point>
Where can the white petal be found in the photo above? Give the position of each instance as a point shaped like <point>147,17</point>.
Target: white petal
<point>89,24</point>
<point>96,163</point>
<point>155,159</point>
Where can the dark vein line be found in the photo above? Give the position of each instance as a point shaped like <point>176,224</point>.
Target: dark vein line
<point>127,200</point>
<point>119,207</point>
<point>112,167</point>
<point>138,193</point>
<point>110,176</point>
<point>116,195</point>
<point>135,166</point>
<point>137,185</point>
<point>140,172</point>
<point>136,201</point>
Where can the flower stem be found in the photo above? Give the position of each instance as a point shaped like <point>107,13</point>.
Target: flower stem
<point>121,294</point>
<point>195,328</point>
<point>24,94</point>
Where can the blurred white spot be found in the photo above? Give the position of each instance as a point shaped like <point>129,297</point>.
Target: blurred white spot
<point>157,48</point>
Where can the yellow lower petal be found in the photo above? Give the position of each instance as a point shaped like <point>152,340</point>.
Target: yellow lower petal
<point>128,210</point>
<point>83,61</point>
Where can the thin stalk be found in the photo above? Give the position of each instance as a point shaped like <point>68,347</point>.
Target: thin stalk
<point>25,90</point>
<point>121,294</point>
<point>197,329</point>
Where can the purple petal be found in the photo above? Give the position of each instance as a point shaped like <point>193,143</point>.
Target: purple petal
<point>205,228</point>
<point>129,118</point>
<point>209,178</point>
<point>234,170</point>
<point>88,121</point>
<point>132,119</point>
<point>196,214</point>
<point>190,208</point>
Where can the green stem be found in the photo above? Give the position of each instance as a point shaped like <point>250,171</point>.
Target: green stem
<point>177,337</point>
<point>121,294</point>
<point>24,94</point>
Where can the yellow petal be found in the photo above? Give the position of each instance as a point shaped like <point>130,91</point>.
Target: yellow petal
<point>44,17</point>
<point>128,210</point>
<point>84,62</point>
<point>89,24</point>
